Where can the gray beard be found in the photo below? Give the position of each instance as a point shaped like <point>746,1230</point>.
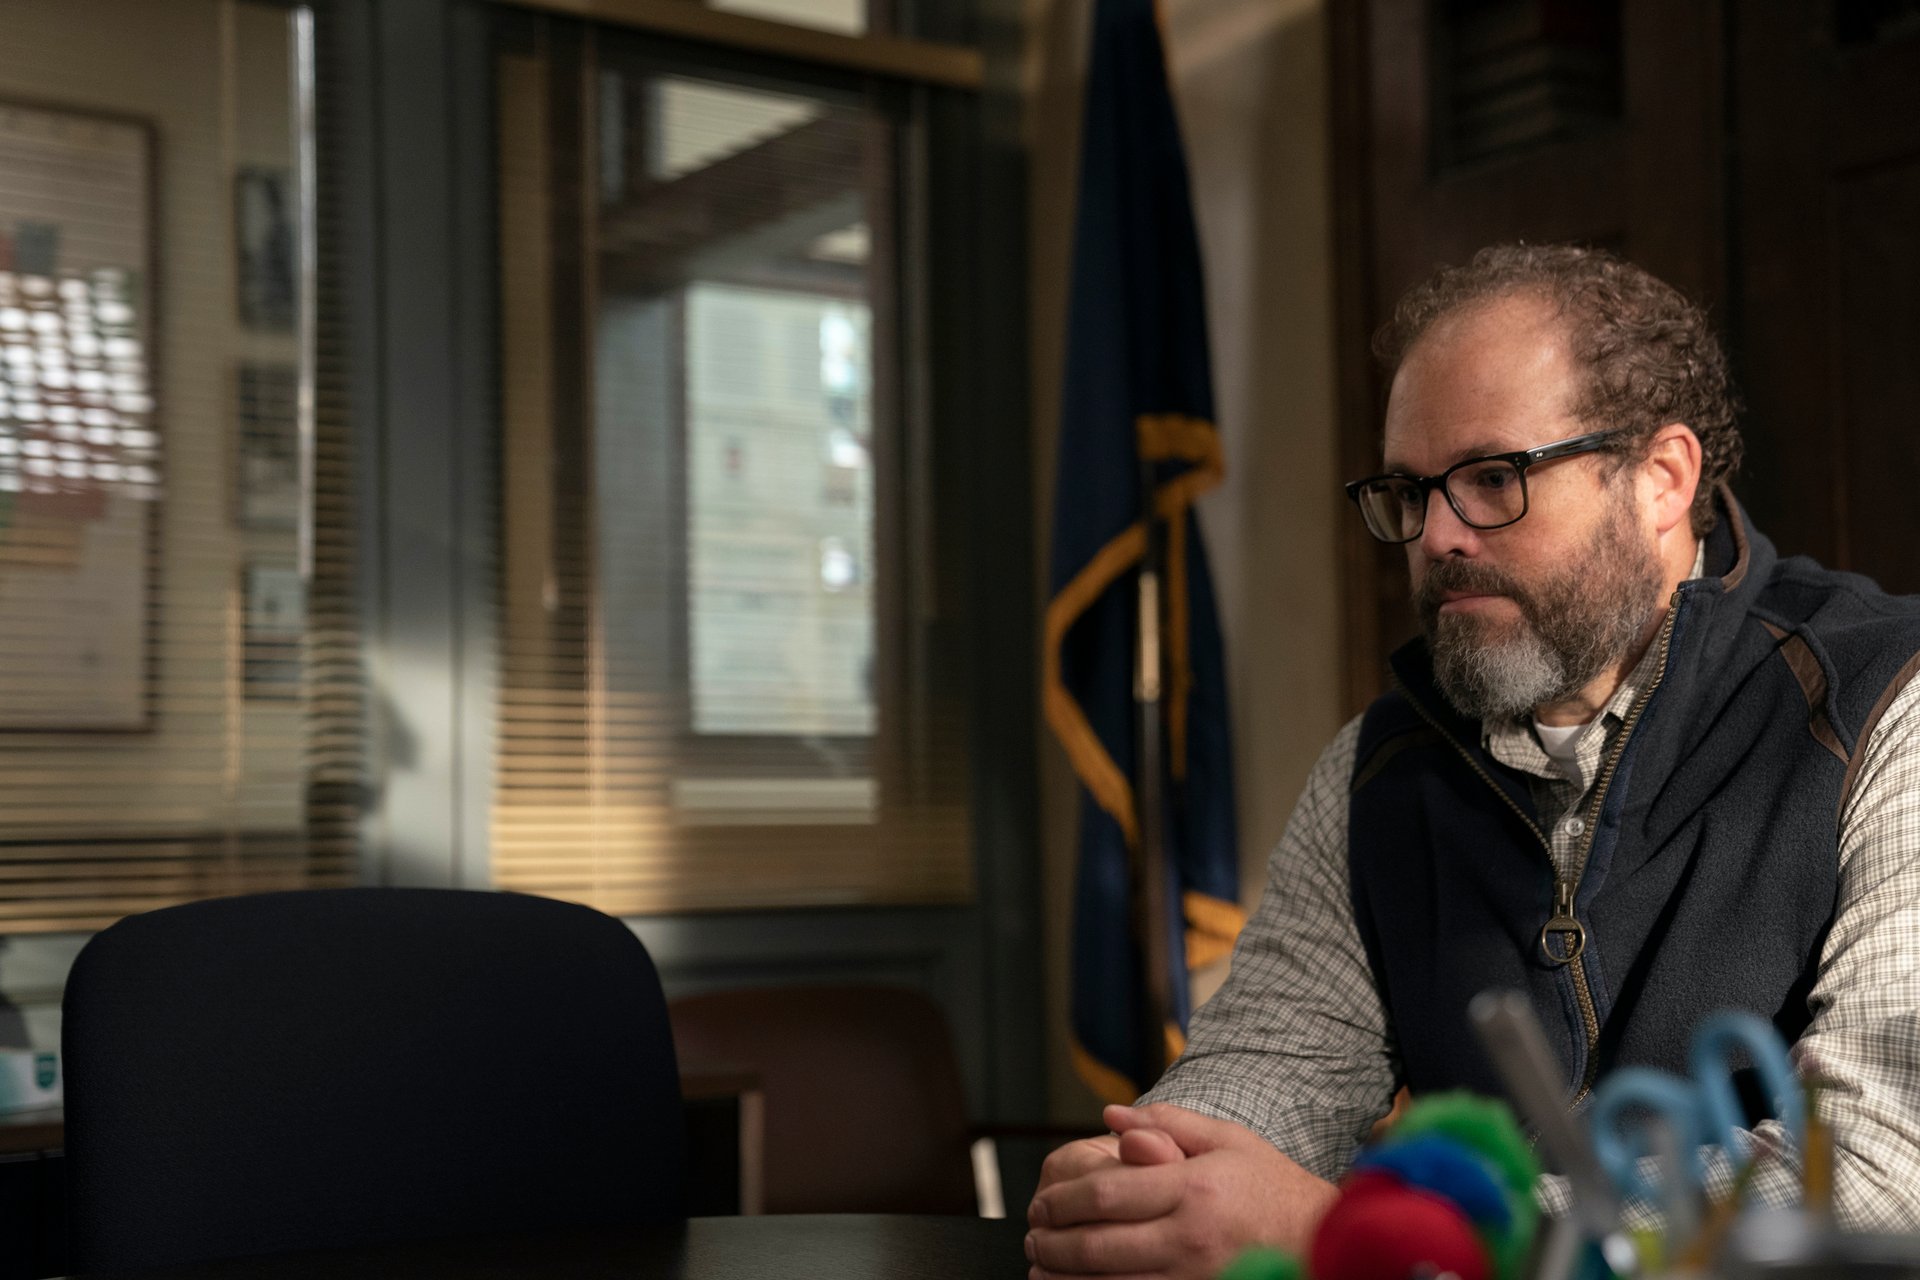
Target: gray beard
<point>1573,626</point>
<point>1499,681</point>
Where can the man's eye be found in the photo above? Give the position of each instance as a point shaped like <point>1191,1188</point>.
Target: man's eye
<point>1407,495</point>
<point>1493,478</point>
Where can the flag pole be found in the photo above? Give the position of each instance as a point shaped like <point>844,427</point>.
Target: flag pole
<point>1148,872</point>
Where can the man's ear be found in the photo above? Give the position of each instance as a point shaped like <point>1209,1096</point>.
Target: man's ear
<point>1670,474</point>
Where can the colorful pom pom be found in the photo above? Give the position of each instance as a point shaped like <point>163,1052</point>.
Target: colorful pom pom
<point>1488,1128</point>
<point>1262,1263</point>
<point>1382,1229</point>
<point>1450,1189</point>
<point>1483,1124</point>
<point>1447,1168</point>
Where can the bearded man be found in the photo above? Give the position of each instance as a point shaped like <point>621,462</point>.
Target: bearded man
<point>1637,766</point>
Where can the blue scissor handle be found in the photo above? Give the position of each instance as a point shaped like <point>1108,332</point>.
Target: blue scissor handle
<point>1676,1102</point>
<point>1714,1043</point>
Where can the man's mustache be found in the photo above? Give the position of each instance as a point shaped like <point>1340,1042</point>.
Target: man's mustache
<point>1466,577</point>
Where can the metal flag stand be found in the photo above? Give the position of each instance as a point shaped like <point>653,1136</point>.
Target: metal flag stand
<point>1148,870</point>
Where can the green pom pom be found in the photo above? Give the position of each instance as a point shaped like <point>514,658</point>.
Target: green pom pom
<point>1488,1128</point>
<point>1262,1263</point>
<point>1483,1124</point>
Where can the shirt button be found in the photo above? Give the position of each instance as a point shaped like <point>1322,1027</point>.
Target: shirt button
<point>1574,826</point>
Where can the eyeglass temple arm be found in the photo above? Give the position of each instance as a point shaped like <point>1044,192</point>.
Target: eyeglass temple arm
<point>1561,448</point>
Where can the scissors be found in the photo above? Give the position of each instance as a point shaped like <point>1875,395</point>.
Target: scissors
<point>1697,1112</point>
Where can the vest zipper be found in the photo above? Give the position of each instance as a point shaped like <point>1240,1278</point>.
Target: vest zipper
<point>1563,919</point>
<point>1583,995</point>
<point>1577,965</point>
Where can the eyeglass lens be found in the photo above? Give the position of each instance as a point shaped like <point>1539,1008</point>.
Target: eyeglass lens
<point>1486,494</point>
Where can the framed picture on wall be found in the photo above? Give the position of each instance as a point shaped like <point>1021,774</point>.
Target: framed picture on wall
<point>266,237</point>
<point>273,625</point>
<point>80,477</point>
<point>267,471</point>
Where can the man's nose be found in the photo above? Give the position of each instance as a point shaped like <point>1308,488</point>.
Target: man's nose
<point>1444,533</point>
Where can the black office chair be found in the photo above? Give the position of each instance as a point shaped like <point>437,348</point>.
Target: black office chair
<point>337,1067</point>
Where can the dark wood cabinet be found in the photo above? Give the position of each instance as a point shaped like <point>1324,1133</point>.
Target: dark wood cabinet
<point>1763,157</point>
<point>1826,314</point>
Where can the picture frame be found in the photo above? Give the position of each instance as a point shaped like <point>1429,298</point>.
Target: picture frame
<point>80,458</point>
<point>266,240</point>
<point>273,627</point>
<point>268,492</point>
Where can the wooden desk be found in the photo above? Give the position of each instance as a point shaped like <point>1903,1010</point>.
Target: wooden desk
<point>30,1132</point>
<point>827,1247</point>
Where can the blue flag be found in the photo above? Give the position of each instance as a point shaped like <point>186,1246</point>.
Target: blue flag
<point>1137,391</point>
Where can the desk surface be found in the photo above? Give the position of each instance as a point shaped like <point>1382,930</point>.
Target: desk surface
<point>801,1247</point>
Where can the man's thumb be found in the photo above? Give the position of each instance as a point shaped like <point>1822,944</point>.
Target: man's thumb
<point>1193,1132</point>
<point>1141,1143</point>
<point>1149,1146</point>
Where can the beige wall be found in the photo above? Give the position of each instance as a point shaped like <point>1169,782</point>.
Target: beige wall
<point>211,78</point>
<point>1250,84</point>
<point>212,81</point>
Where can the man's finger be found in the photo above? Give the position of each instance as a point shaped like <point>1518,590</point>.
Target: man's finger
<point>1106,1248</point>
<point>1149,1146</point>
<point>1123,1193</point>
<point>1196,1134</point>
<point>1077,1159</point>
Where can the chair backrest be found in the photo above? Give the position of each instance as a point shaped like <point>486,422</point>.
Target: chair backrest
<point>335,1067</point>
<point>864,1107</point>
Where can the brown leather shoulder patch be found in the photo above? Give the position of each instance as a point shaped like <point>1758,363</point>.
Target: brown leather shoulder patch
<point>1813,683</point>
<point>1742,552</point>
<point>1880,705</point>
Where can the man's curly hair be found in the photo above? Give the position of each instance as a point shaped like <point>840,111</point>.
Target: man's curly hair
<point>1647,352</point>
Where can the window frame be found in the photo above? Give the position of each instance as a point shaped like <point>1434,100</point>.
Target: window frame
<point>894,425</point>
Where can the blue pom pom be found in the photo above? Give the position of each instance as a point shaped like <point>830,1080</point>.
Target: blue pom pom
<point>1446,1168</point>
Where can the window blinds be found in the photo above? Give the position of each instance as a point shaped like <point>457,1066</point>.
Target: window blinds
<point>180,701</point>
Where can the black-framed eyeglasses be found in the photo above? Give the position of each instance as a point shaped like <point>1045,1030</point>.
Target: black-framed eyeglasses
<point>1488,492</point>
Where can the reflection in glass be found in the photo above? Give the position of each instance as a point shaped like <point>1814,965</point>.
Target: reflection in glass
<point>780,515</point>
<point>850,17</point>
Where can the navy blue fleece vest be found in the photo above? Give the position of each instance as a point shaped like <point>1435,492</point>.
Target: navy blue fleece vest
<point>1712,874</point>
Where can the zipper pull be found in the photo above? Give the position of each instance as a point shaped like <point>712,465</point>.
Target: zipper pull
<point>1563,923</point>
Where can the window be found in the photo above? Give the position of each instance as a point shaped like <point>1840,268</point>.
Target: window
<point>718,603</point>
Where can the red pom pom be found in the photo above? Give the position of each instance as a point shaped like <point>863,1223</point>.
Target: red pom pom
<point>1382,1229</point>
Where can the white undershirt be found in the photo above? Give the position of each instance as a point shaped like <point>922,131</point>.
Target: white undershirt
<point>1562,743</point>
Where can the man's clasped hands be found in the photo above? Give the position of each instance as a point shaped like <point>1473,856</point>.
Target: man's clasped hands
<point>1169,1193</point>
